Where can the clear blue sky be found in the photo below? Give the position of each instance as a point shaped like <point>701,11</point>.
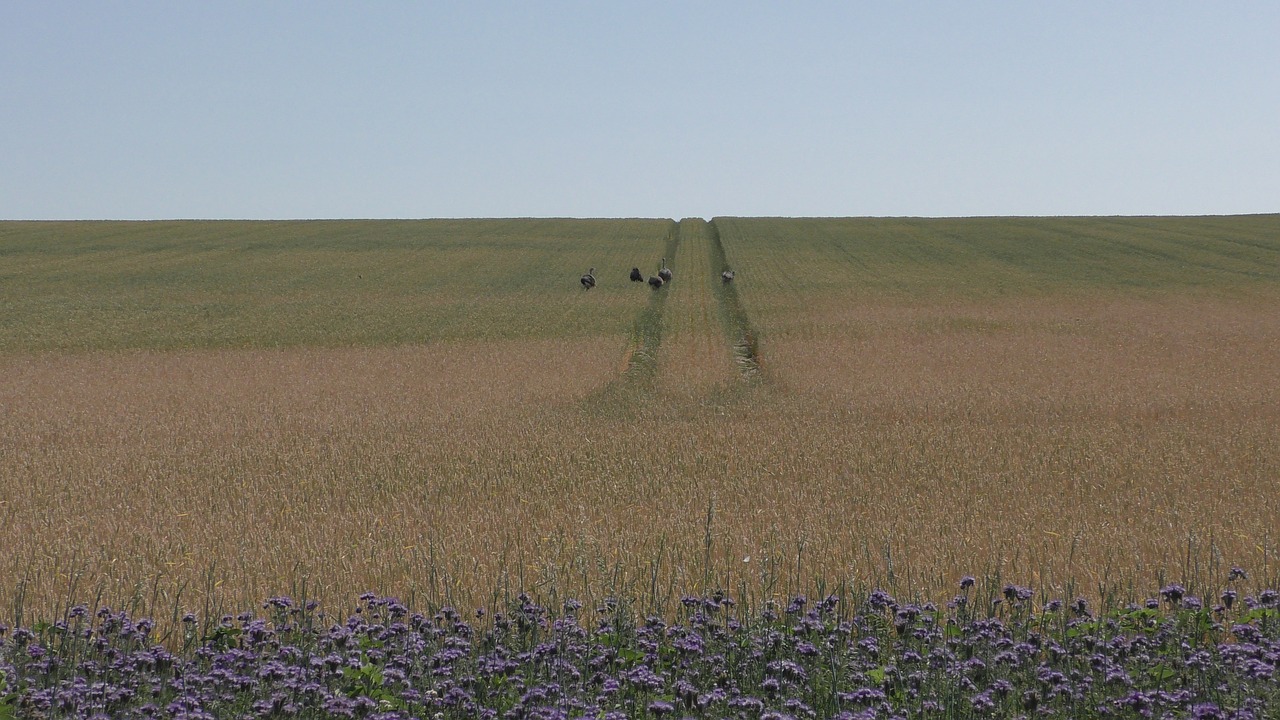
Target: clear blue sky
<point>655,109</point>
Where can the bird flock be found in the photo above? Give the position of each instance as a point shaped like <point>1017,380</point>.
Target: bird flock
<point>656,281</point>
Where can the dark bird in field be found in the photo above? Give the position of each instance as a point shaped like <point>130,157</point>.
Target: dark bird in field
<point>589,280</point>
<point>636,276</point>
<point>655,282</point>
<point>727,276</point>
<point>665,272</point>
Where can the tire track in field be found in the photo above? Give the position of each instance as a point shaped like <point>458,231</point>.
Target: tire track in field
<point>746,343</point>
<point>640,363</point>
<point>640,368</point>
<point>697,363</point>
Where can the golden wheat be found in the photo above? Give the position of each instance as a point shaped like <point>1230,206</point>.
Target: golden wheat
<point>1109,439</point>
<point>1049,443</point>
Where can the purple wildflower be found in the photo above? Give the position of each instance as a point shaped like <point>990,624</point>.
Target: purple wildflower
<point>1173,593</point>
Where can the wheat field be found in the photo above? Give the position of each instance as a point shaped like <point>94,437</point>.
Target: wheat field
<point>197,416</point>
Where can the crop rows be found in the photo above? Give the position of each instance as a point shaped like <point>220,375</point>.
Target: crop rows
<point>90,286</point>
<point>1089,406</point>
<point>696,357</point>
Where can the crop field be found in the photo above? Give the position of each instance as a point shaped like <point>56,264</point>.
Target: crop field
<point>87,286</point>
<point>199,415</point>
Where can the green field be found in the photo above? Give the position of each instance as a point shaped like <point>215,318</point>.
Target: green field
<point>792,263</point>
<point>215,410</point>
<point>165,285</point>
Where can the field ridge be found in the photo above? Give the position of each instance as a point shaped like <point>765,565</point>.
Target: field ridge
<point>640,363</point>
<point>746,344</point>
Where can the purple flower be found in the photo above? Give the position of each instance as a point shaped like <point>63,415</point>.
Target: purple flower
<point>1017,592</point>
<point>1207,711</point>
<point>1173,593</point>
<point>542,664</point>
<point>881,599</point>
<point>982,702</point>
<point>747,702</point>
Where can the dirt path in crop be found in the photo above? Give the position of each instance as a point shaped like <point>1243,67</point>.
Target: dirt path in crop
<point>746,345</point>
<point>693,339</point>
<point>639,364</point>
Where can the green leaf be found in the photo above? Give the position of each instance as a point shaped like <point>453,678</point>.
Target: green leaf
<point>878,623</point>
<point>1260,614</point>
<point>8,711</point>
<point>876,676</point>
<point>223,637</point>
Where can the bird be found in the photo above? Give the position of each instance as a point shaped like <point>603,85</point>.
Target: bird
<point>589,280</point>
<point>727,276</point>
<point>665,272</point>
<point>655,282</point>
<point>636,276</point>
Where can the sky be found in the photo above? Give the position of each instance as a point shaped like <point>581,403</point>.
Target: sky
<point>282,110</point>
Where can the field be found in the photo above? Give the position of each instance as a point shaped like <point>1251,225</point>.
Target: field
<point>200,415</point>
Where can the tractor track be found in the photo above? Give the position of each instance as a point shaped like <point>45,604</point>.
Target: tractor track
<point>639,366</point>
<point>746,342</point>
